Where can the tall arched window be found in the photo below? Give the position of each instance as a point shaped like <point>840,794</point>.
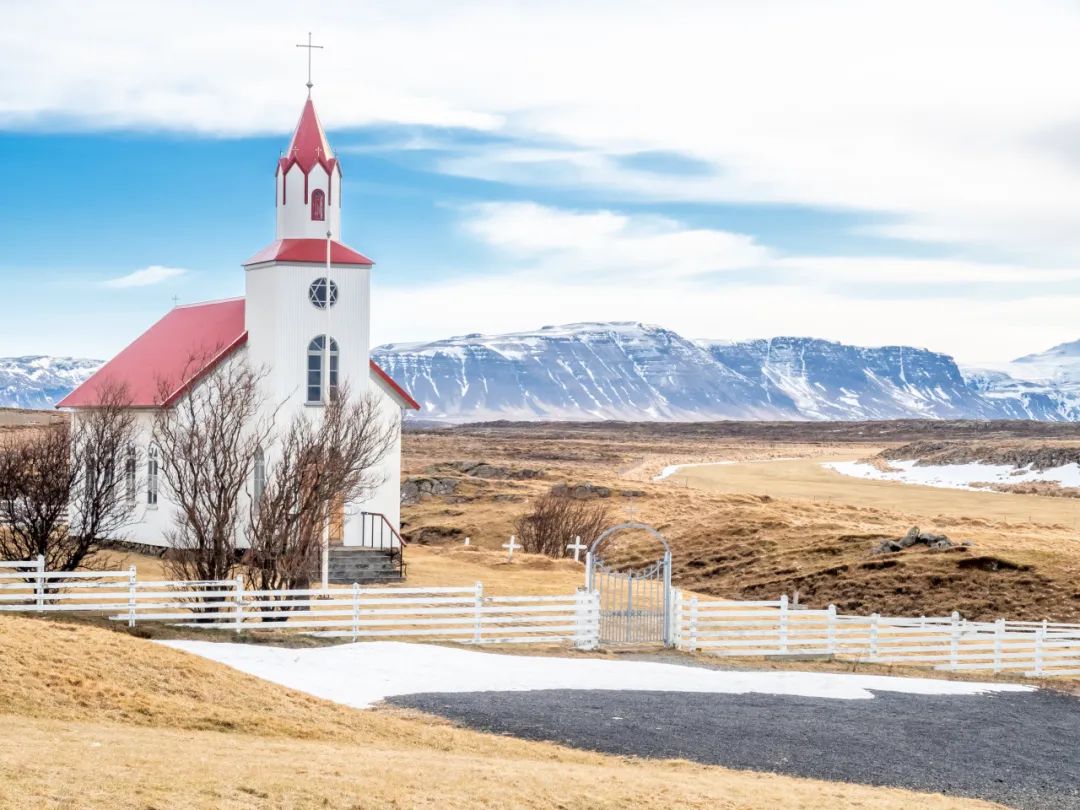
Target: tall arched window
<point>258,477</point>
<point>152,476</point>
<point>316,364</point>
<point>129,473</point>
<point>318,205</point>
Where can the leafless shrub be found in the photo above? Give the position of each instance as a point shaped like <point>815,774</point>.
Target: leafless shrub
<point>66,491</point>
<point>322,464</point>
<point>555,520</point>
<point>206,443</point>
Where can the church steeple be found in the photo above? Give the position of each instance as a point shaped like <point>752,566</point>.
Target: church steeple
<point>308,181</point>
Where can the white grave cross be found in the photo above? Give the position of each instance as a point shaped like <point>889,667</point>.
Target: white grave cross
<point>577,547</point>
<point>510,547</point>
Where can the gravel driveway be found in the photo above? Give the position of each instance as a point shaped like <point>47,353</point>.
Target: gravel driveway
<point>1019,749</point>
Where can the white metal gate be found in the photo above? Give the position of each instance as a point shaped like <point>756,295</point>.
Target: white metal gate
<point>635,604</point>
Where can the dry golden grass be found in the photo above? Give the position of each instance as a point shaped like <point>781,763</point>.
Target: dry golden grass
<point>106,720</point>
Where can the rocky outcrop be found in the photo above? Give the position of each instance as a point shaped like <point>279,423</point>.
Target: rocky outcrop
<point>481,469</point>
<point>413,490</point>
<point>582,492</point>
<point>916,537</point>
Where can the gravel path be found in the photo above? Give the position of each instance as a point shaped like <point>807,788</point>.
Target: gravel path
<point>1022,750</point>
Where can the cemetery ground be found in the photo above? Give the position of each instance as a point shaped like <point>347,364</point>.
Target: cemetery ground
<point>769,519</point>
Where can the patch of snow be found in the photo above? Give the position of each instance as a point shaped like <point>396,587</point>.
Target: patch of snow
<point>361,674</point>
<point>957,476</point>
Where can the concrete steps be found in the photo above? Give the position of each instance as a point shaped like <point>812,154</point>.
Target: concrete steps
<point>348,564</point>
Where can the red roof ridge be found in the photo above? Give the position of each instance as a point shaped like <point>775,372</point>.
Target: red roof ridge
<point>308,251</point>
<point>412,403</point>
<point>211,302</point>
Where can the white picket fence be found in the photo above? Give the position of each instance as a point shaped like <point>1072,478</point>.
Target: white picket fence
<point>457,614</point>
<point>466,615</point>
<point>773,628</point>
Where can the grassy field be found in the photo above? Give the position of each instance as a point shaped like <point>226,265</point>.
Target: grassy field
<point>96,718</point>
<point>771,520</point>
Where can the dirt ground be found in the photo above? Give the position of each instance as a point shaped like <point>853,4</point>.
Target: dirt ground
<point>770,520</point>
<point>103,719</point>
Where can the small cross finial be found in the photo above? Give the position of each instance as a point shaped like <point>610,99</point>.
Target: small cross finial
<point>310,48</point>
<point>176,300</point>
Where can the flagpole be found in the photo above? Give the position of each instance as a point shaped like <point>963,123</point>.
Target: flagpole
<point>327,349</point>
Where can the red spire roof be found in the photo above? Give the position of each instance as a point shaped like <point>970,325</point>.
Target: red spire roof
<point>308,145</point>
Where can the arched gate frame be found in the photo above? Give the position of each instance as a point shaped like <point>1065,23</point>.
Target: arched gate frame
<point>635,604</point>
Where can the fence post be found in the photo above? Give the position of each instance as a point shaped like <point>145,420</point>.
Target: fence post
<point>355,610</point>
<point>830,630</point>
<point>131,596</point>
<point>478,613</point>
<point>693,624</point>
<point>1040,639</point>
<point>954,642</point>
<point>583,635</point>
<point>783,623</point>
<point>594,619</point>
<point>39,582</point>
<point>675,619</point>
<point>875,621</point>
<point>238,600</point>
<point>999,635</point>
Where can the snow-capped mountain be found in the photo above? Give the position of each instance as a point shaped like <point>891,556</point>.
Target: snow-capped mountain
<point>580,371</point>
<point>636,371</point>
<point>1044,386</point>
<point>38,381</point>
<point>819,379</point>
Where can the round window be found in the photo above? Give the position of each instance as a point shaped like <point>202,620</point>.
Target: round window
<point>322,293</point>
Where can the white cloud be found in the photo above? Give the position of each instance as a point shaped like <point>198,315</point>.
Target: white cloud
<point>955,121</point>
<point>596,243</point>
<point>146,277</point>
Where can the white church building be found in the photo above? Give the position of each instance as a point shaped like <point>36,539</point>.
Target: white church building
<point>304,319</point>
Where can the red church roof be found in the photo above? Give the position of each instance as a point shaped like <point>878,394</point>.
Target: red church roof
<point>308,251</point>
<point>176,351</point>
<point>308,145</point>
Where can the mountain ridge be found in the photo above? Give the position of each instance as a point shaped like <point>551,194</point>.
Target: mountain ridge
<point>634,371</point>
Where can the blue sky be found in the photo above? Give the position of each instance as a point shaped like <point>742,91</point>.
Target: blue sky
<point>901,174</point>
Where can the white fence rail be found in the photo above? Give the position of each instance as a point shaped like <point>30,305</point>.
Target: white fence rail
<point>773,628</point>
<point>457,614</point>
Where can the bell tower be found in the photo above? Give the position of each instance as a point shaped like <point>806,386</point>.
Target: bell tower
<point>308,182</point>
<point>308,296</point>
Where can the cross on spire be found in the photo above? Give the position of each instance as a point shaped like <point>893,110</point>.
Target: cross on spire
<point>310,48</point>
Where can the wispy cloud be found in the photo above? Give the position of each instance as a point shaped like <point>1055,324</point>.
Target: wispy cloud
<point>146,277</point>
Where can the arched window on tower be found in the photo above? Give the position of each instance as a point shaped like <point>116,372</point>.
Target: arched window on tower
<point>317,364</point>
<point>318,205</point>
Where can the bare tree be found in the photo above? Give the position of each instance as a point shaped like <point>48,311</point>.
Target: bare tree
<point>206,442</point>
<point>321,465</point>
<point>105,457</point>
<point>556,519</point>
<point>36,482</point>
<point>67,491</point>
